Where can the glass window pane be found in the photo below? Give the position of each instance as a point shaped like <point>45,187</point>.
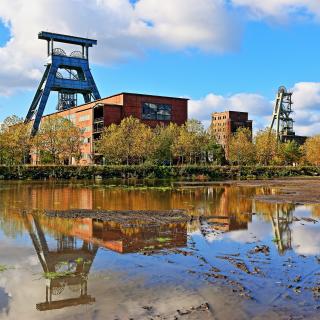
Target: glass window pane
<point>154,111</point>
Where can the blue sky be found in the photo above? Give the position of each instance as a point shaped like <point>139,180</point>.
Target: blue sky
<point>234,58</point>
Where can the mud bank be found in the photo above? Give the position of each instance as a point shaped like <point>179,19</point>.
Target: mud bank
<point>296,191</point>
<point>125,216</point>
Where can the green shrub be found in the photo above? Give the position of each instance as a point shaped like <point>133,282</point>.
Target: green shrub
<point>190,172</point>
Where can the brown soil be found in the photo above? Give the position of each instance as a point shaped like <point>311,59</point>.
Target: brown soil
<point>125,216</point>
<point>297,190</point>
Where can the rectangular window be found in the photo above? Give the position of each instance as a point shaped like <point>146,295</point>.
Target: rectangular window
<point>156,111</point>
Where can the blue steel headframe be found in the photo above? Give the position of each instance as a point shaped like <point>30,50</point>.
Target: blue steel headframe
<point>44,35</point>
<point>77,65</point>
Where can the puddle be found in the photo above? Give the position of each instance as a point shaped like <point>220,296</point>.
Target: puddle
<point>236,251</point>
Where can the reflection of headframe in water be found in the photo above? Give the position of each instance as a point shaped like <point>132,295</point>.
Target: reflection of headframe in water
<point>77,261</point>
<point>281,220</point>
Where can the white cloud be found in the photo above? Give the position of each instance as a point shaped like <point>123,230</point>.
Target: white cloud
<point>281,10</point>
<point>204,24</point>
<point>122,30</point>
<point>258,107</point>
<point>259,230</point>
<point>306,98</point>
<point>306,240</point>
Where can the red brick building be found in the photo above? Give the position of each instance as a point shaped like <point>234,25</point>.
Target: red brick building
<point>224,124</point>
<point>94,116</point>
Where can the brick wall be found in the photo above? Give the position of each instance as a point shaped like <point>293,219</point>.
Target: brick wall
<point>133,107</point>
<point>112,114</point>
<point>116,108</point>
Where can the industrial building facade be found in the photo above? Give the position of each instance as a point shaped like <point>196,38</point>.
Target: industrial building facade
<point>93,117</point>
<point>224,124</point>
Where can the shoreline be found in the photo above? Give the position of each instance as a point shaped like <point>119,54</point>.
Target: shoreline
<point>201,173</point>
<point>298,191</point>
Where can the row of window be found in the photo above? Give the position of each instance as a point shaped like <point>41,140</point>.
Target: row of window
<point>220,124</point>
<point>156,111</point>
<point>220,137</point>
<point>220,118</point>
<point>219,130</point>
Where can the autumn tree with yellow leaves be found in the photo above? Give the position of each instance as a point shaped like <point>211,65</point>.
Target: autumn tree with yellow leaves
<point>241,148</point>
<point>129,142</point>
<point>14,141</point>
<point>162,142</point>
<point>193,144</point>
<point>133,142</point>
<point>266,147</point>
<point>58,141</point>
<point>311,150</point>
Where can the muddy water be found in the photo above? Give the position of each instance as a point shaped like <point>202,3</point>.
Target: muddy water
<point>237,258</point>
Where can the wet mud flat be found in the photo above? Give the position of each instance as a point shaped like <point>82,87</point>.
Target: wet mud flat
<point>232,254</point>
<point>291,190</point>
<point>148,217</point>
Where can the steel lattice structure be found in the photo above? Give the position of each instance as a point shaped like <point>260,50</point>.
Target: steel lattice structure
<point>281,118</point>
<point>78,79</point>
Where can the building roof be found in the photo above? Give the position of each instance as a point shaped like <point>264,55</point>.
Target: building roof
<point>226,111</point>
<point>118,94</point>
<point>145,94</point>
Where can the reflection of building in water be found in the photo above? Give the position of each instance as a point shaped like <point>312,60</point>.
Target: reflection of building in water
<point>232,212</point>
<point>229,223</point>
<point>65,196</point>
<point>125,238</point>
<point>66,266</point>
<point>227,204</point>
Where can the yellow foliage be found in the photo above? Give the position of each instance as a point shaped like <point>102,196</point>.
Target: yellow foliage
<point>312,150</point>
<point>241,148</point>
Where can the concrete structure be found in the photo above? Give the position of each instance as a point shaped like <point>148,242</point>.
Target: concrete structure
<point>94,116</point>
<point>224,124</point>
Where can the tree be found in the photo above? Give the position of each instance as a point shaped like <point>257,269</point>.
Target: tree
<point>10,121</point>
<point>58,140</point>
<point>71,138</point>
<point>266,146</point>
<point>162,142</point>
<point>311,150</point>
<point>111,145</point>
<point>14,141</point>
<point>130,142</point>
<point>214,151</point>
<point>241,148</point>
<point>290,152</point>
<point>190,145</point>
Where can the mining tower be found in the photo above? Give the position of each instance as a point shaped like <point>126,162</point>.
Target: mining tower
<point>69,75</point>
<point>282,120</point>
